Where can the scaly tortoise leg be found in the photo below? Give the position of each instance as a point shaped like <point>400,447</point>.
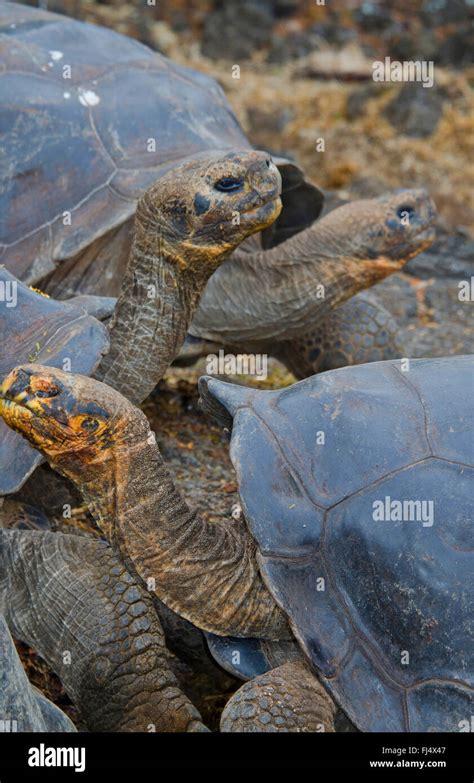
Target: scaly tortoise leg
<point>72,599</point>
<point>288,698</point>
<point>358,331</point>
<point>196,671</point>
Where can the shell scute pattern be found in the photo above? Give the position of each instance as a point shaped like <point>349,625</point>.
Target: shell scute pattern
<point>380,605</point>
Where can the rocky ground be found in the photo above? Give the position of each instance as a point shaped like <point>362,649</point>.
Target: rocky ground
<point>305,75</point>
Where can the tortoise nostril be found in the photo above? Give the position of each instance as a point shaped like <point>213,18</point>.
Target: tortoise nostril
<point>17,383</point>
<point>22,380</point>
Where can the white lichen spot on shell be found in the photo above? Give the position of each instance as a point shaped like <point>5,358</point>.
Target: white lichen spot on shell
<point>236,511</point>
<point>88,97</point>
<point>55,55</point>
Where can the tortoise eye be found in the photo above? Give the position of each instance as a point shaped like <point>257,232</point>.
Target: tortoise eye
<point>405,211</point>
<point>45,393</point>
<point>90,425</point>
<point>229,184</point>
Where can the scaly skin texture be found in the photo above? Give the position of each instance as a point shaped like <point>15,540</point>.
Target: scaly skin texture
<point>288,698</point>
<point>360,330</point>
<point>259,299</point>
<point>72,599</point>
<point>184,228</point>
<point>197,673</point>
<point>207,573</point>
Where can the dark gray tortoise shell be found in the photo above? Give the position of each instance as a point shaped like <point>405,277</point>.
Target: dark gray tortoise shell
<point>44,330</point>
<point>125,117</point>
<point>381,606</point>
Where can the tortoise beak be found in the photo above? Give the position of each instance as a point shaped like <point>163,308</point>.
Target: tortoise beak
<point>16,397</point>
<point>385,266</point>
<point>12,395</point>
<point>265,179</point>
<point>424,238</point>
<point>15,386</point>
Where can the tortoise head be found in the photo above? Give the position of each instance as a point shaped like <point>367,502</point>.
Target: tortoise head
<point>71,419</point>
<point>206,207</point>
<point>393,227</point>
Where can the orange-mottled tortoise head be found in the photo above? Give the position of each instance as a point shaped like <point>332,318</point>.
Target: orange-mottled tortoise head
<point>73,420</point>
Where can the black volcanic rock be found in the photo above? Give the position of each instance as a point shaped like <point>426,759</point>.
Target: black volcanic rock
<point>416,110</point>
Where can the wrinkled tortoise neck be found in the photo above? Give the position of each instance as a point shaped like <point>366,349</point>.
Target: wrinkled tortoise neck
<point>333,257</point>
<point>160,293</point>
<point>307,276</point>
<point>205,572</point>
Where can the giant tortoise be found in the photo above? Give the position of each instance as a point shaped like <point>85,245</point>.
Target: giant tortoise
<point>284,301</point>
<point>109,117</point>
<point>356,543</point>
<point>91,119</point>
<point>178,244</point>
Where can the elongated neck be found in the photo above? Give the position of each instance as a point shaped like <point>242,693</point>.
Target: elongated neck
<point>322,268</point>
<point>276,294</point>
<point>206,572</point>
<point>302,246</point>
<point>160,292</point>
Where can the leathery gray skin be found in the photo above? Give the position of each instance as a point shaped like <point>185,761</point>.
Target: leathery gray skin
<point>73,600</point>
<point>254,578</point>
<point>184,229</point>
<point>281,694</point>
<point>185,225</point>
<point>268,301</point>
<point>80,399</point>
<point>294,300</point>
